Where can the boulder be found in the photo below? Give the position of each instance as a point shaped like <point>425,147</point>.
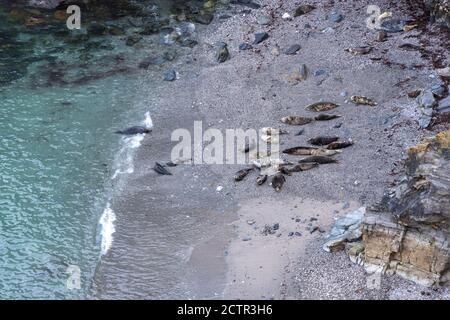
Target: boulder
<point>407,233</point>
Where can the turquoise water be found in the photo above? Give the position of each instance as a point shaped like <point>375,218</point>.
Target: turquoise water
<point>60,103</point>
<point>62,96</point>
<point>56,158</point>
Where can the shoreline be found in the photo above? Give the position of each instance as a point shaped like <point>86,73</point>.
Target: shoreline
<point>250,91</point>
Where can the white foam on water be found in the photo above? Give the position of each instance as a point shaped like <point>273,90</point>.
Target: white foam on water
<point>124,165</point>
<point>107,222</point>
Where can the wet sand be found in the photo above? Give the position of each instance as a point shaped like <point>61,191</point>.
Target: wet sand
<point>179,237</point>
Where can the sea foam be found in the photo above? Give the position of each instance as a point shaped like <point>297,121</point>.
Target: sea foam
<point>124,165</point>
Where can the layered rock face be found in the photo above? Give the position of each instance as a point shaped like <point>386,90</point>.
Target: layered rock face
<point>408,233</point>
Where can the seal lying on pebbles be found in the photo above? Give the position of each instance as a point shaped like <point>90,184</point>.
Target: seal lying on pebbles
<point>326,117</point>
<point>310,151</point>
<point>159,168</point>
<point>277,182</point>
<point>241,174</point>
<point>263,163</point>
<point>360,100</point>
<point>340,145</point>
<point>134,130</point>
<point>318,159</point>
<point>261,179</point>
<point>302,167</point>
<point>321,106</point>
<point>359,50</point>
<point>322,140</point>
<point>296,121</point>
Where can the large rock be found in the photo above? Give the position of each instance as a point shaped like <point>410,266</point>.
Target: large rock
<point>408,233</point>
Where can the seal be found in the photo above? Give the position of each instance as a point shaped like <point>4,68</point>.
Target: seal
<point>284,171</point>
<point>241,174</point>
<point>324,152</point>
<point>360,50</point>
<point>134,130</point>
<point>310,151</point>
<point>321,106</point>
<point>326,117</point>
<point>318,159</point>
<point>303,167</point>
<point>340,145</point>
<point>322,140</point>
<point>296,121</point>
<point>299,151</point>
<point>360,100</point>
<point>277,182</point>
<point>159,168</point>
<point>261,179</point>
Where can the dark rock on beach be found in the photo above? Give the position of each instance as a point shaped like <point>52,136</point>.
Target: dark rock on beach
<point>260,37</point>
<point>292,49</point>
<point>245,46</point>
<point>170,75</point>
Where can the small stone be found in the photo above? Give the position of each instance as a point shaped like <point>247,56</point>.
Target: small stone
<point>444,105</point>
<point>298,234</point>
<point>170,75</point>
<point>303,9</point>
<point>438,90</point>
<point>246,239</point>
<point>336,17</point>
<point>251,222</point>
<point>286,16</point>
<point>290,234</point>
<point>263,20</point>
<point>338,125</point>
<point>245,46</point>
<point>190,43</point>
<point>344,94</point>
<point>381,36</point>
<point>328,30</point>
<point>426,99</point>
<point>275,51</point>
<point>414,93</point>
<point>260,37</point>
<point>320,72</point>
<point>292,49</point>
<point>208,5</point>
<point>133,39</point>
<point>424,120</point>
<point>276,226</point>
<point>222,54</point>
<point>314,229</point>
<point>205,19</point>
<point>157,60</point>
<point>97,29</point>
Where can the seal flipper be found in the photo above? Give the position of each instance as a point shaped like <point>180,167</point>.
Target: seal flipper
<point>158,168</point>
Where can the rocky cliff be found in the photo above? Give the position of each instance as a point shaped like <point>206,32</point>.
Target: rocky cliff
<point>408,233</point>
